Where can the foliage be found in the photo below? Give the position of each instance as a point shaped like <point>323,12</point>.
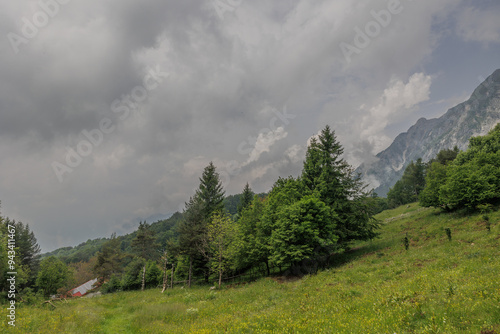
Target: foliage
<point>378,204</point>
<point>409,187</point>
<point>24,252</point>
<point>246,198</point>
<point>327,175</point>
<point>283,195</point>
<point>406,242</point>
<point>53,275</point>
<point>132,277</point>
<point>191,231</point>
<point>210,191</point>
<point>83,271</point>
<point>231,204</point>
<point>144,243</point>
<point>113,285</point>
<point>109,259</point>
<point>81,253</point>
<point>252,243</point>
<point>303,230</point>
<point>154,276</point>
<point>27,250</point>
<point>448,233</point>
<point>221,231</point>
<point>444,157</point>
<point>436,174</point>
<point>412,293</point>
<point>208,199</point>
<point>471,181</point>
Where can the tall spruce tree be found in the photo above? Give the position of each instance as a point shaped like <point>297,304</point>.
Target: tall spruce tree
<point>210,191</point>
<point>28,250</point>
<point>246,198</point>
<point>312,165</point>
<point>333,180</point>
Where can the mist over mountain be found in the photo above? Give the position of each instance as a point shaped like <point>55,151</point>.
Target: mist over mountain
<point>474,117</point>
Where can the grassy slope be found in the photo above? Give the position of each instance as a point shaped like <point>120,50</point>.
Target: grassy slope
<point>436,287</point>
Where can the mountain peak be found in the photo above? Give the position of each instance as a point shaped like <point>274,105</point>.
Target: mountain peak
<point>474,117</point>
<point>488,87</point>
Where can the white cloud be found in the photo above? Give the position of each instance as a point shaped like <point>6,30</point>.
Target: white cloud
<point>264,143</point>
<point>397,100</point>
<point>295,153</point>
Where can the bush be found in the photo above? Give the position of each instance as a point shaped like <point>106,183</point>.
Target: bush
<point>113,285</point>
<point>154,276</point>
<point>132,279</point>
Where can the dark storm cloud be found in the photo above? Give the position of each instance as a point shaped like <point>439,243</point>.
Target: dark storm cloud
<point>224,79</point>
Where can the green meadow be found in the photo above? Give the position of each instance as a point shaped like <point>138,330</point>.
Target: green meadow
<point>436,286</point>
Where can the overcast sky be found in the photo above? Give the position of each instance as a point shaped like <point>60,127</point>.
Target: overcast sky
<point>110,109</point>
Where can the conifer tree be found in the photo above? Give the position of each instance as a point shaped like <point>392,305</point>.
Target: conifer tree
<point>333,180</point>
<point>246,198</point>
<point>144,243</point>
<point>210,191</point>
<point>109,259</point>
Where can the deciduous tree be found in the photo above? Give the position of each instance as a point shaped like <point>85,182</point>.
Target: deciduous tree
<point>53,275</point>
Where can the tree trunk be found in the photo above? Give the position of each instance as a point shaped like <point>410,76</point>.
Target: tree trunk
<point>172,277</point>
<point>190,271</point>
<point>267,267</point>
<point>143,277</point>
<point>165,275</point>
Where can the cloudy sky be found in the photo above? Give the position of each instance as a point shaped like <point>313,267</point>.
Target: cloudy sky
<point>110,109</point>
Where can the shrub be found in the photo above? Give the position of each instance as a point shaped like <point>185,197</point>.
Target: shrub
<point>113,285</point>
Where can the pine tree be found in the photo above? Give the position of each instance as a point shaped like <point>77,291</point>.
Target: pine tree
<point>210,191</point>
<point>144,242</point>
<point>208,199</point>
<point>246,199</point>
<point>28,250</point>
<point>109,259</point>
<point>333,180</point>
<point>312,165</point>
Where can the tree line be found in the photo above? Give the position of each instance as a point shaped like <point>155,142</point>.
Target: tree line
<point>454,180</point>
<point>297,226</point>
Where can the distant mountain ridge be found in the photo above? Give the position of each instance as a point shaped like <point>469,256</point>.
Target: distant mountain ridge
<point>474,117</point>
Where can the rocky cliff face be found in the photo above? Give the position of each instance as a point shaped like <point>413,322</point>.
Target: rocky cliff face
<point>474,117</point>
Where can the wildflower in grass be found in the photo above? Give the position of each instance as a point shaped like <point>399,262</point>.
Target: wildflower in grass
<point>192,311</point>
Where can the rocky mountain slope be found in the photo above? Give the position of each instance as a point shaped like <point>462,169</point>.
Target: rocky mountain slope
<point>474,117</point>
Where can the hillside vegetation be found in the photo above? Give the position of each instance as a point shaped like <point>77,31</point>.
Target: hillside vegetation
<point>436,286</point>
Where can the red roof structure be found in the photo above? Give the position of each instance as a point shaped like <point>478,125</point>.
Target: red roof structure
<point>84,288</point>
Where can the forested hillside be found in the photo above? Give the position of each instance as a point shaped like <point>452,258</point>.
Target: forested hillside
<point>442,283</point>
<point>306,224</point>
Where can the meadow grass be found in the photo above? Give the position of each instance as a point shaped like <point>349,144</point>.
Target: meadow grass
<point>437,286</point>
